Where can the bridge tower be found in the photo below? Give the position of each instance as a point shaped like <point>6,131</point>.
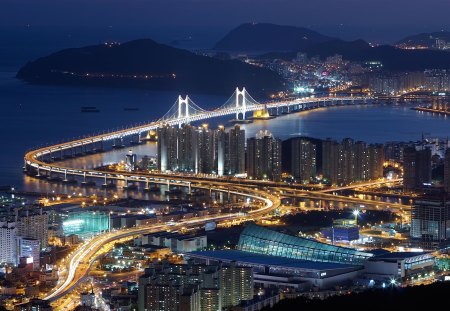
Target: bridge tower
<point>183,103</point>
<point>242,103</point>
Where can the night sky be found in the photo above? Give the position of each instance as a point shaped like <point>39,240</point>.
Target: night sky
<point>377,20</point>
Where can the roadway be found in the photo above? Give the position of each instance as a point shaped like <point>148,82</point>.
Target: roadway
<point>79,263</point>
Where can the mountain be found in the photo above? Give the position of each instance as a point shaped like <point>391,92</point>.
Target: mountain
<point>425,39</point>
<point>392,58</point>
<point>147,64</point>
<point>264,37</point>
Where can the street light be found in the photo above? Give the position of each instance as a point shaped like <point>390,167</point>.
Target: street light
<point>356,213</point>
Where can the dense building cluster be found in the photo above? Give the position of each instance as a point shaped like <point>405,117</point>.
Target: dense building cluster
<point>23,235</point>
<point>203,151</point>
<point>351,161</point>
<point>195,287</point>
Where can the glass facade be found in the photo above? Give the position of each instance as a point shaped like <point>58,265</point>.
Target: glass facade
<point>260,240</point>
<point>86,223</point>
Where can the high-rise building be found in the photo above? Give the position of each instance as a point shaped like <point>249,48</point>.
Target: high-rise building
<point>167,149</point>
<point>447,171</point>
<point>130,161</point>
<point>206,148</point>
<point>29,248</point>
<point>264,157</point>
<point>193,287</point>
<point>8,243</point>
<point>187,151</point>
<point>362,160</point>
<point>236,151</point>
<point>330,160</point>
<point>33,224</point>
<point>416,168</point>
<point>199,150</point>
<point>237,284</point>
<point>430,222</point>
<point>348,161</point>
<point>303,159</point>
<point>376,161</point>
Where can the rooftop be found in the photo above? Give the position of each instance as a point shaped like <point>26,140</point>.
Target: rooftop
<point>259,259</point>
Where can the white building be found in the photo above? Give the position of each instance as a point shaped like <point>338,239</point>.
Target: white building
<point>8,243</point>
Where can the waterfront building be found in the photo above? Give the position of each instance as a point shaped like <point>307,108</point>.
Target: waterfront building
<point>200,150</point>
<point>416,168</point>
<point>206,150</point>
<point>33,224</point>
<point>437,80</point>
<point>303,159</point>
<point>376,161</point>
<point>236,151</point>
<point>130,161</point>
<point>188,154</point>
<point>430,222</point>
<point>167,148</point>
<point>330,160</point>
<point>351,161</point>
<point>264,157</point>
<point>8,243</point>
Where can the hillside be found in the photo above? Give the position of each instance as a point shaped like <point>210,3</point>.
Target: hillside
<point>425,39</point>
<point>147,64</point>
<point>392,58</point>
<point>264,37</point>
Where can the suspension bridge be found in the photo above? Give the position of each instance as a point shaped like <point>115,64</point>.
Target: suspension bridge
<point>183,111</point>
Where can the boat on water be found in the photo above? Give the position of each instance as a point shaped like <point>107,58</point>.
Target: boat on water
<point>130,109</point>
<point>89,109</point>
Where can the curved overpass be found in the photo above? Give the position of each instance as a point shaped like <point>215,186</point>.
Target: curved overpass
<point>33,160</point>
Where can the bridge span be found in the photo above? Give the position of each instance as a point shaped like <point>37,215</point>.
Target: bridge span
<point>182,112</point>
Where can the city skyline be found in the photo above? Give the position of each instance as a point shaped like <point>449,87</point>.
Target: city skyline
<point>132,180</point>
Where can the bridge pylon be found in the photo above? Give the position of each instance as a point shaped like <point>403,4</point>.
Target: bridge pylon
<point>241,103</point>
<point>183,102</point>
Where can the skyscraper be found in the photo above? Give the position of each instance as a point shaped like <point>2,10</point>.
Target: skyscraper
<point>8,243</point>
<point>167,149</point>
<point>362,160</point>
<point>187,151</point>
<point>330,160</point>
<point>205,150</point>
<point>236,151</point>
<point>303,159</point>
<point>447,171</point>
<point>237,284</point>
<point>416,168</point>
<point>430,222</point>
<point>33,224</point>
<point>348,161</point>
<point>376,161</point>
<point>264,157</point>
